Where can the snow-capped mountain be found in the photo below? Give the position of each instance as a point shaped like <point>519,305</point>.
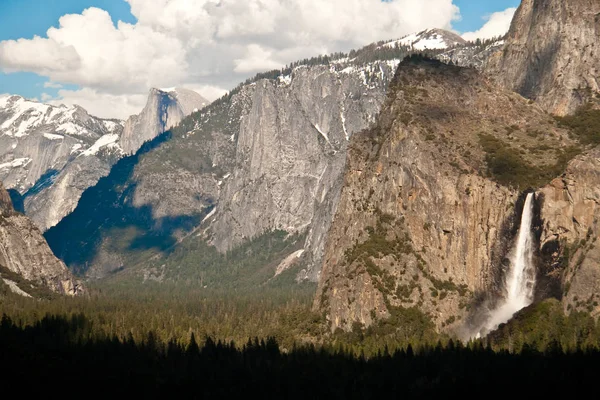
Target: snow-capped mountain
<point>430,39</point>
<point>49,155</point>
<point>41,145</point>
<point>35,137</point>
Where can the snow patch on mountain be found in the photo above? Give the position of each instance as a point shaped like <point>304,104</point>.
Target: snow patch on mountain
<point>51,136</point>
<point>430,39</point>
<point>109,140</point>
<point>19,162</point>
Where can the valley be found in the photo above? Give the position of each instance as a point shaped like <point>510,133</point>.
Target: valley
<point>425,198</point>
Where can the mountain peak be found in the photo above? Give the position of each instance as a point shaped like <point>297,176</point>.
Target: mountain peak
<point>429,39</point>
<point>164,109</point>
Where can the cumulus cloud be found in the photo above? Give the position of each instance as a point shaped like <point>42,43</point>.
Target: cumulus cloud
<point>204,43</point>
<point>52,85</point>
<point>256,59</point>
<point>100,104</point>
<point>497,24</point>
<point>45,97</point>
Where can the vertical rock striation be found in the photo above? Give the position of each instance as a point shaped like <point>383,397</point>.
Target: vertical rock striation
<point>24,251</point>
<point>570,214</point>
<point>419,222</point>
<point>552,54</point>
<point>164,110</point>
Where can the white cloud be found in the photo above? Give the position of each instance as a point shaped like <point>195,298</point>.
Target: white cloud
<point>206,43</point>
<point>256,59</point>
<point>497,25</point>
<point>52,85</point>
<point>209,92</point>
<point>101,104</point>
<point>45,97</point>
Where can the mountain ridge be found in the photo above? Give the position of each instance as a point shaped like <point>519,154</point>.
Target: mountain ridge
<point>50,154</point>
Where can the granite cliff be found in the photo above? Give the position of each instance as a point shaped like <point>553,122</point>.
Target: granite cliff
<point>431,196</point>
<point>164,109</point>
<point>552,53</point>
<point>23,251</point>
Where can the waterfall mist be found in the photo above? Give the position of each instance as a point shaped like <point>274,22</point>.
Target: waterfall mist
<point>519,281</point>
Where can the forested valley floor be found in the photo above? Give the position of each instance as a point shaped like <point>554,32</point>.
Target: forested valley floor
<point>162,339</point>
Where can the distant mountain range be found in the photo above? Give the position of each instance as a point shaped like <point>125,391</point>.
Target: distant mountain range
<point>49,155</point>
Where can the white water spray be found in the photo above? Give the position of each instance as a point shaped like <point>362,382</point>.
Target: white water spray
<point>520,280</point>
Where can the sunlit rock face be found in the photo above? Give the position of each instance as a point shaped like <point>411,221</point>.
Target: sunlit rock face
<point>24,251</point>
<point>552,54</point>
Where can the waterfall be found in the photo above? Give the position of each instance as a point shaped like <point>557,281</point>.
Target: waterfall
<point>519,282</point>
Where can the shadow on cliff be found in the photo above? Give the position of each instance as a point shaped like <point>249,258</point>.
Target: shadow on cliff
<point>538,67</point>
<point>17,200</point>
<point>105,218</point>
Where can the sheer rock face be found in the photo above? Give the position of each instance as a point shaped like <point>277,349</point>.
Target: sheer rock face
<point>164,110</point>
<point>570,215</point>
<point>552,54</point>
<point>49,155</point>
<point>24,251</point>
<point>290,156</point>
<point>417,216</point>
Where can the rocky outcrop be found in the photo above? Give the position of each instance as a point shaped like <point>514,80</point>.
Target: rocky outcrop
<point>570,215</point>
<point>24,251</point>
<point>49,155</point>
<point>420,223</point>
<point>552,54</point>
<point>164,110</point>
<point>5,203</point>
<point>471,54</point>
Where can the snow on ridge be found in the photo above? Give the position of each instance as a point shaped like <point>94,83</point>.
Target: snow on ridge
<point>26,115</point>
<point>76,147</point>
<point>4,101</point>
<point>51,136</point>
<point>210,214</point>
<point>17,162</point>
<point>426,40</point>
<point>285,80</point>
<point>104,141</point>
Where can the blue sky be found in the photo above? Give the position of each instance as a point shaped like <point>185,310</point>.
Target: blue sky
<point>26,18</point>
<point>474,11</point>
<point>22,19</point>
